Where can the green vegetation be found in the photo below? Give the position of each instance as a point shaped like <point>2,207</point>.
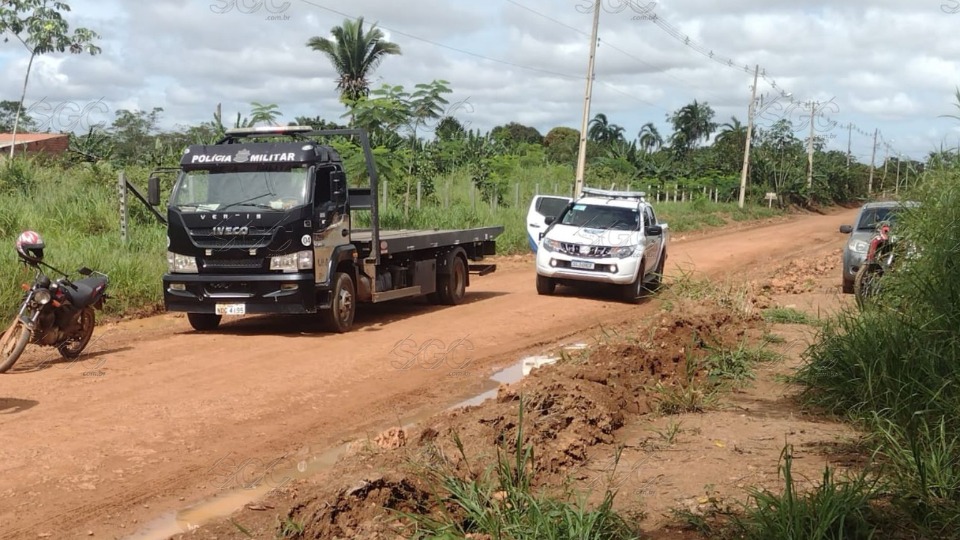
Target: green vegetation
<point>788,316</point>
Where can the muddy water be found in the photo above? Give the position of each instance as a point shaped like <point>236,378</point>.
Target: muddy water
<point>223,505</point>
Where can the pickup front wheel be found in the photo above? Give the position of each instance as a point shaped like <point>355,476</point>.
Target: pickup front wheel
<point>633,292</point>
<point>545,285</point>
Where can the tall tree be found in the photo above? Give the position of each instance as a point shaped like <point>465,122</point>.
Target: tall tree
<point>649,138</point>
<point>40,27</point>
<point>264,112</point>
<point>354,53</point>
<point>691,124</point>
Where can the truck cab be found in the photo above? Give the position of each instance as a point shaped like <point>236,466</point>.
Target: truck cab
<point>611,237</point>
<point>260,226</point>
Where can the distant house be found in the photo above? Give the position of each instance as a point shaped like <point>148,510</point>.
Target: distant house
<point>48,143</point>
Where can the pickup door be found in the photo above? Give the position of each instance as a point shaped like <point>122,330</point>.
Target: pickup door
<point>652,244</point>
<point>542,207</point>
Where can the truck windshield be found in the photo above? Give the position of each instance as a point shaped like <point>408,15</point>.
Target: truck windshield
<point>872,217</point>
<point>211,191</point>
<point>591,216</point>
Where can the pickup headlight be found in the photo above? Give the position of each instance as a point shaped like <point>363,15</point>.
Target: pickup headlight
<point>550,245</point>
<point>291,262</point>
<point>623,252</point>
<point>181,264</point>
<point>859,246</point>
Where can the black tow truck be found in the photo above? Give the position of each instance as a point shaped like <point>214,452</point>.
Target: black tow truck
<point>256,225</point>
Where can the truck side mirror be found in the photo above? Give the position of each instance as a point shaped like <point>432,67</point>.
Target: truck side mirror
<point>338,186</point>
<point>846,229</point>
<point>653,230</point>
<point>549,219</point>
<point>153,191</point>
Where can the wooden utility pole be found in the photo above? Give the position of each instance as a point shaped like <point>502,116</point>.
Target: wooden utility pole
<point>582,156</point>
<point>813,112</point>
<point>849,142</point>
<point>746,145</point>
<point>873,159</point>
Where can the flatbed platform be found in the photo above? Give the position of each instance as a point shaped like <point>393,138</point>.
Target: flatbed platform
<point>406,240</point>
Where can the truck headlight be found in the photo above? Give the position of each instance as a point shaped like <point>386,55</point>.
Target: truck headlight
<point>550,245</point>
<point>859,246</point>
<point>181,264</point>
<point>623,252</point>
<point>291,262</point>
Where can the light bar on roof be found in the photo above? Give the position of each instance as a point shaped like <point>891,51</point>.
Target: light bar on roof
<point>279,130</point>
<point>614,194</point>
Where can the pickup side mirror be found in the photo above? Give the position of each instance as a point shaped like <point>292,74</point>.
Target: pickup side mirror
<point>338,187</point>
<point>846,229</point>
<point>653,230</point>
<point>549,220</point>
<point>153,191</point>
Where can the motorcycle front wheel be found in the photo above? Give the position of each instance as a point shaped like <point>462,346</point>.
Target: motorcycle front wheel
<point>72,347</point>
<point>12,344</point>
<point>866,284</point>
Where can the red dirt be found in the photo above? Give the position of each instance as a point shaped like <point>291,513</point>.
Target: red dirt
<point>145,422</point>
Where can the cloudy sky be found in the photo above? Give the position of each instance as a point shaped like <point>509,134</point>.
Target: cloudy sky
<point>873,64</point>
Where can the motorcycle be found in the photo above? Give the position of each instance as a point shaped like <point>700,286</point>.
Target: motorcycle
<point>881,256</point>
<point>55,313</point>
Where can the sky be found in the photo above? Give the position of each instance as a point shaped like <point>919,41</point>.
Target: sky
<point>887,65</point>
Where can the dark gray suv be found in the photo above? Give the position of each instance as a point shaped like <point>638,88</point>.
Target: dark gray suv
<point>871,215</point>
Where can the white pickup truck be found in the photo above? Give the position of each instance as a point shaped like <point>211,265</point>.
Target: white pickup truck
<point>603,237</point>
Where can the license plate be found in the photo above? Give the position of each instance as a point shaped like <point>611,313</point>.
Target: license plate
<point>582,265</point>
<point>231,309</point>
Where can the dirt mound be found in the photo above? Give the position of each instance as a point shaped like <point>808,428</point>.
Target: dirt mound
<point>568,408</point>
<point>801,276</point>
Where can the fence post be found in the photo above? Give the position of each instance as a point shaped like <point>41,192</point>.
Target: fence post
<point>383,198</point>
<point>517,203</point>
<point>419,192</point>
<point>536,189</point>
<point>122,192</point>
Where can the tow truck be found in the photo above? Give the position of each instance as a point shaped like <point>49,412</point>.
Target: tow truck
<point>259,226</point>
<point>605,236</point>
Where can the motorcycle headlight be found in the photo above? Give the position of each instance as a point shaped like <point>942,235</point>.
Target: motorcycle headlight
<point>623,252</point>
<point>181,264</point>
<point>41,296</point>
<point>291,262</point>
<point>859,246</point>
<point>550,245</point>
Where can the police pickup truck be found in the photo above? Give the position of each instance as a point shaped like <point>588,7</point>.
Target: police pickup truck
<point>611,237</point>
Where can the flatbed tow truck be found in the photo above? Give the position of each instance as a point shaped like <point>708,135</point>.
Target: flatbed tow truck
<point>257,226</point>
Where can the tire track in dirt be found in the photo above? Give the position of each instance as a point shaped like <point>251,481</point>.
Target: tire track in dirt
<point>170,403</point>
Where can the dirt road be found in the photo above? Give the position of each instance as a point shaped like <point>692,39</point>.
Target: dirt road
<point>148,421</point>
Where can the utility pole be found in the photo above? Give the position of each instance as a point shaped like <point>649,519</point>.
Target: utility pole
<point>849,141</point>
<point>746,145</point>
<point>582,156</point>
<point>873,159</point>
<point>896,189</point>
<point>813,112</point>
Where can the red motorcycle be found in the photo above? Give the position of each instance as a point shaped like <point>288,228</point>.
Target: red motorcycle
<point>55,313</point>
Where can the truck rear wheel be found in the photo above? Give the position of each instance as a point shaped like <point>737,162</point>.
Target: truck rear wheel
<point>202,322</point>
<point>656,280</point>
<point>452,287</point>
<point>343,304</point>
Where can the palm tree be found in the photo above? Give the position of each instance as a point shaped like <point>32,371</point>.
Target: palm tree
<point>266,113</point>
<point>649,138</point>
<point>732,130</point>
<point>354,53</point>
<point>691,123</point>
<point>598,128</point>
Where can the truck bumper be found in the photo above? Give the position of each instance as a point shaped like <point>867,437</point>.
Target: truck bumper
<point>193,293</point>
<point>611,270</point>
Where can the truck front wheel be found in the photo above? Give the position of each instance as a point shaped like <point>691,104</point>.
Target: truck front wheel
<point>202,322</point>
<point>343,304</point>
<point>545,285</point>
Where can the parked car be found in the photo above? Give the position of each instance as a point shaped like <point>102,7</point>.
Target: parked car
<point>611,237</point>
<point>543,207</point>
<point>871,215</point>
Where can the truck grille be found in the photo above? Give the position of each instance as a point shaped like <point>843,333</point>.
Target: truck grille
<point>256,237</point>
<point>233,264</point>
<point>585,250</point>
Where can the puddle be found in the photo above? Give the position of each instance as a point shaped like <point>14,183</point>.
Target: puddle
<point>225,504</point>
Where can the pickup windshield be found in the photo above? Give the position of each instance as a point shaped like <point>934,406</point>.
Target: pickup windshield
<point>872,217</point>
<point>590,216</point>
<point>211,191</point>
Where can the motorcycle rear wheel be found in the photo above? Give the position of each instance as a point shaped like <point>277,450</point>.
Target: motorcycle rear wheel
<point>72,347</point>
<point>12,344</point>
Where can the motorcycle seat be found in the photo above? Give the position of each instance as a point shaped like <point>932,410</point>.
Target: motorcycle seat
<point>87,290</point>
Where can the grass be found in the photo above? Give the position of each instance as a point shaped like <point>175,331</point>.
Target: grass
<point>737,365</point>
<point>501,502</point>
<point>789,316</point>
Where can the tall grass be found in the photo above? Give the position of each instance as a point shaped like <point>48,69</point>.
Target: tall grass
<point>895,367</point>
